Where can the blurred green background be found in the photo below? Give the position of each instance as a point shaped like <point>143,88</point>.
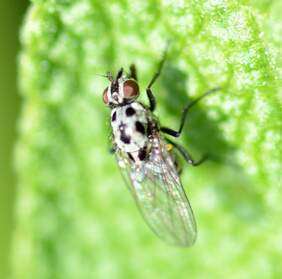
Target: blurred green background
<point>74,218</point>
<point>11,15</point>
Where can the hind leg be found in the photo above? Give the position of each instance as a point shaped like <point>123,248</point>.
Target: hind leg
<point>185,154</point>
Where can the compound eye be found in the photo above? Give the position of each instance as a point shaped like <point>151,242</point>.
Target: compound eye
<point>130,88</point>
<point>105,96</point>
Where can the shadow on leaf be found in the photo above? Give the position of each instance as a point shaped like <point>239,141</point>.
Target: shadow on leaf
<point>201,135</point>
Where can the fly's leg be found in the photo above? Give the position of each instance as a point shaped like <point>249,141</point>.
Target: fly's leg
<point>113,149</point>
<point>152,99</point>
<point>157,74</point>
<point>186,154</point>
<point>176,134</point>
<point>133,72</point>
<point>149,92</point>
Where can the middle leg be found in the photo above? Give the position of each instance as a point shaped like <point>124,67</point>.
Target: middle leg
<point>176,134</point>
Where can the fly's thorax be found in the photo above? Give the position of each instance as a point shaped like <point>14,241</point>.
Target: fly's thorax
<point>130,125</point>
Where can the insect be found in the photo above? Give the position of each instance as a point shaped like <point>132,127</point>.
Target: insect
<point>147,159</point>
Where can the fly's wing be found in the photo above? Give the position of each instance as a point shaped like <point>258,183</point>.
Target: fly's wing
<point>160,197</point>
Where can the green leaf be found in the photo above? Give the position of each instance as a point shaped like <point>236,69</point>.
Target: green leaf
<point>75,218</point>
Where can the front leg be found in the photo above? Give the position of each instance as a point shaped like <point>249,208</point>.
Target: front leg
<point>133,72</point>
<point>149,92</point>
<point>152,99</point>
<point>112,150</point>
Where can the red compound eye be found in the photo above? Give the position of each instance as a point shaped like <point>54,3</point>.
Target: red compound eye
<point>105,96</point>
<point>130,88</point>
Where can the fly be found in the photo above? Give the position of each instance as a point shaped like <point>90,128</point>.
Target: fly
<point>147,158</point>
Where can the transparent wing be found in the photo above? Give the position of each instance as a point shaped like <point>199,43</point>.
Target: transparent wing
<point>159,195</point>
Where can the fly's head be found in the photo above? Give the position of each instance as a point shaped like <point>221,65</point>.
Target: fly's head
<point>121,90</point>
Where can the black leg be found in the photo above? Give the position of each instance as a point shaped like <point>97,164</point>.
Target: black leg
<point>152,99</point>
<point>176,134</point>
<point>170,132</point>
<point>133,72</point>
<point>149,92</point>
<point>186,155</point>
<point>157,74</point>
<point>113,149</point>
